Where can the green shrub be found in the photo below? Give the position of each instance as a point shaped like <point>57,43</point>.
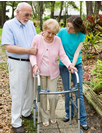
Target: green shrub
<point>0,31</point>
<point>46,17</point>
<point>97,77</point>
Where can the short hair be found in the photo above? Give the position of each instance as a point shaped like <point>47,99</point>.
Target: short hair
<point>21,4</point>
<point>77,23</point>
<point>51,24</point>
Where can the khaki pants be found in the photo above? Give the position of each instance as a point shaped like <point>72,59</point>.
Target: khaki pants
<point>48,84</point>
<point>21,88</point>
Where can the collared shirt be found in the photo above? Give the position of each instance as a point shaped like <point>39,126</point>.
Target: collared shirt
<point>15,33</point>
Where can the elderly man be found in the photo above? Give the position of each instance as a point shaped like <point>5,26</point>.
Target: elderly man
<point>17,37</point>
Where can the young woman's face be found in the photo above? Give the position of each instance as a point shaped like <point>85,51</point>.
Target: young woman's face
<point>70,28</point>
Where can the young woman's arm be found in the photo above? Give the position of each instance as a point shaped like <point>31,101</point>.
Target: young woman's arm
<point>76,54</point>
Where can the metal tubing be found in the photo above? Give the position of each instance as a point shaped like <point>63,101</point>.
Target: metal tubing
<point>78,100</point>
<point>74,104</point>
<point>70,121</point>
<point>75,89</point>
<point>62,92</point>
<point>34,115</point>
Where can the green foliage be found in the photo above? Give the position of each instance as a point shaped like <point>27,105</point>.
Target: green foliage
<point>0,31</point>
<point>28,126</point>
<point>97,76</point>
<point>46,17</point>
<point>94,24</point>
<point>37,30</point>
<point>92,41</point>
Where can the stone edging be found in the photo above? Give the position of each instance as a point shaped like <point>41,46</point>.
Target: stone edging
<point>93,98</point>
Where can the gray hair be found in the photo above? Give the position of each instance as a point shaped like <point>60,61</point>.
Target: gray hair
<point>20,5</point>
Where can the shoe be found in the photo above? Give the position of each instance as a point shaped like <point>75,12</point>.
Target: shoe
<point>53,122</point>
<point>85,127</point>
<point>65,119</point>
<point>30,117</point>
<point>46,124</point>
<point>18,129</point>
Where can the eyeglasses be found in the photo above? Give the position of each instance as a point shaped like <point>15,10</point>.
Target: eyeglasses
<point>27,15</point>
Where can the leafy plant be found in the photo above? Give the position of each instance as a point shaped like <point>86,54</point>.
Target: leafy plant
<point>0,31</point>
<point>92,42</point>
<point>46,17</point>
<point>94,24</point>
<point>97,77</point>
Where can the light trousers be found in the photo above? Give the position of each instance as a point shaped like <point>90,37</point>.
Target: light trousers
<point>48,84</point>
<point>21,89</point>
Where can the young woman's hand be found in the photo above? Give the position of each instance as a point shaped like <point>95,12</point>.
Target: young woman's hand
<point>71,68</point>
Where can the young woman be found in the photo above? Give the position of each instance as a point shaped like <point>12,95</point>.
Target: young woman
<point>49,48</point>
<point>72,38</point>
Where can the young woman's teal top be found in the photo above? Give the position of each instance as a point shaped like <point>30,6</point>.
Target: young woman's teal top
<point>70,43</point>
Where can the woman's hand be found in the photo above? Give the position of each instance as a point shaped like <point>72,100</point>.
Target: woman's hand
<point>35,69</point>
<point>71,68</point>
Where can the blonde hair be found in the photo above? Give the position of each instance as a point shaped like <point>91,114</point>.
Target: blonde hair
<point>51,24</point>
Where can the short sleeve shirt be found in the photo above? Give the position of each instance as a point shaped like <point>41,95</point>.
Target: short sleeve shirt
<point>15,33</point>
<point>70,43</point>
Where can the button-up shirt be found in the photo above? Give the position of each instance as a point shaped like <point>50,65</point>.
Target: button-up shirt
<point>15,33</point>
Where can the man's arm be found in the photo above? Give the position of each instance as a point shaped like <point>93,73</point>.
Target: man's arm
<point>19,50</point>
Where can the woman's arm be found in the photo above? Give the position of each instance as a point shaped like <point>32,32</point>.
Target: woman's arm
<point>76,54</point>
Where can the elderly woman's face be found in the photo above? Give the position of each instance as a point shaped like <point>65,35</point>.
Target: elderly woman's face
<point>70,28</point>
<point>48,34</point>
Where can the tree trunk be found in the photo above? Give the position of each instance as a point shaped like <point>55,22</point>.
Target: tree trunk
<point>34,8</point>
<point>41,13</point>
<point>2,13</point>
<point>97,7</point>
<point>80,8</point>
<point>52,9</point>
<point>65,14</point>
<point>61,7</point>
<point>13,5</point>
<point>89,9</point>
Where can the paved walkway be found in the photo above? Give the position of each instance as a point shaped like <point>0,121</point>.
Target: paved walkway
<point>60,126</point>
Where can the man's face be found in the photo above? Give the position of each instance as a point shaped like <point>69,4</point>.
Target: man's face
<point>24,14</point>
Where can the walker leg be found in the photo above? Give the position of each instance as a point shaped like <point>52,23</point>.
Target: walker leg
<point>81,131</point>
<point>34,115</point>
<point>38,123</point>
<point>70,122</point>
<point>78,101</point>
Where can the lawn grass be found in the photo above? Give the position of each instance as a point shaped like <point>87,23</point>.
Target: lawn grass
<point>28,126</point>
<point>0,31</point>
<point>37,30</point>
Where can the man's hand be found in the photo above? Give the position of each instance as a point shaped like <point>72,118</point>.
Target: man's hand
<point>33,50</point>
<point>35,69</point>
<point>71,68</point>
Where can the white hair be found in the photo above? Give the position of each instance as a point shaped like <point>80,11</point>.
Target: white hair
<point>20,5</point>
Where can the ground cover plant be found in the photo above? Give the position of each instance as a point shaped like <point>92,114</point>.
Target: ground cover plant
<point>97,77</point>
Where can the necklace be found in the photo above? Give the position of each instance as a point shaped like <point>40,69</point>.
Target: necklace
<point>48,40</point>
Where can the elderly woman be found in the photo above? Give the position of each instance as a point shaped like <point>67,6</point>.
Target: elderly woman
<point>45,62</point>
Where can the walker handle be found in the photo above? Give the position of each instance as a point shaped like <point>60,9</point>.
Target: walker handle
<point>77,77</point>
<point>38,76</point>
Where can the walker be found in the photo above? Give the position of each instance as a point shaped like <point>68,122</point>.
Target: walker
<point>47,92</point>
